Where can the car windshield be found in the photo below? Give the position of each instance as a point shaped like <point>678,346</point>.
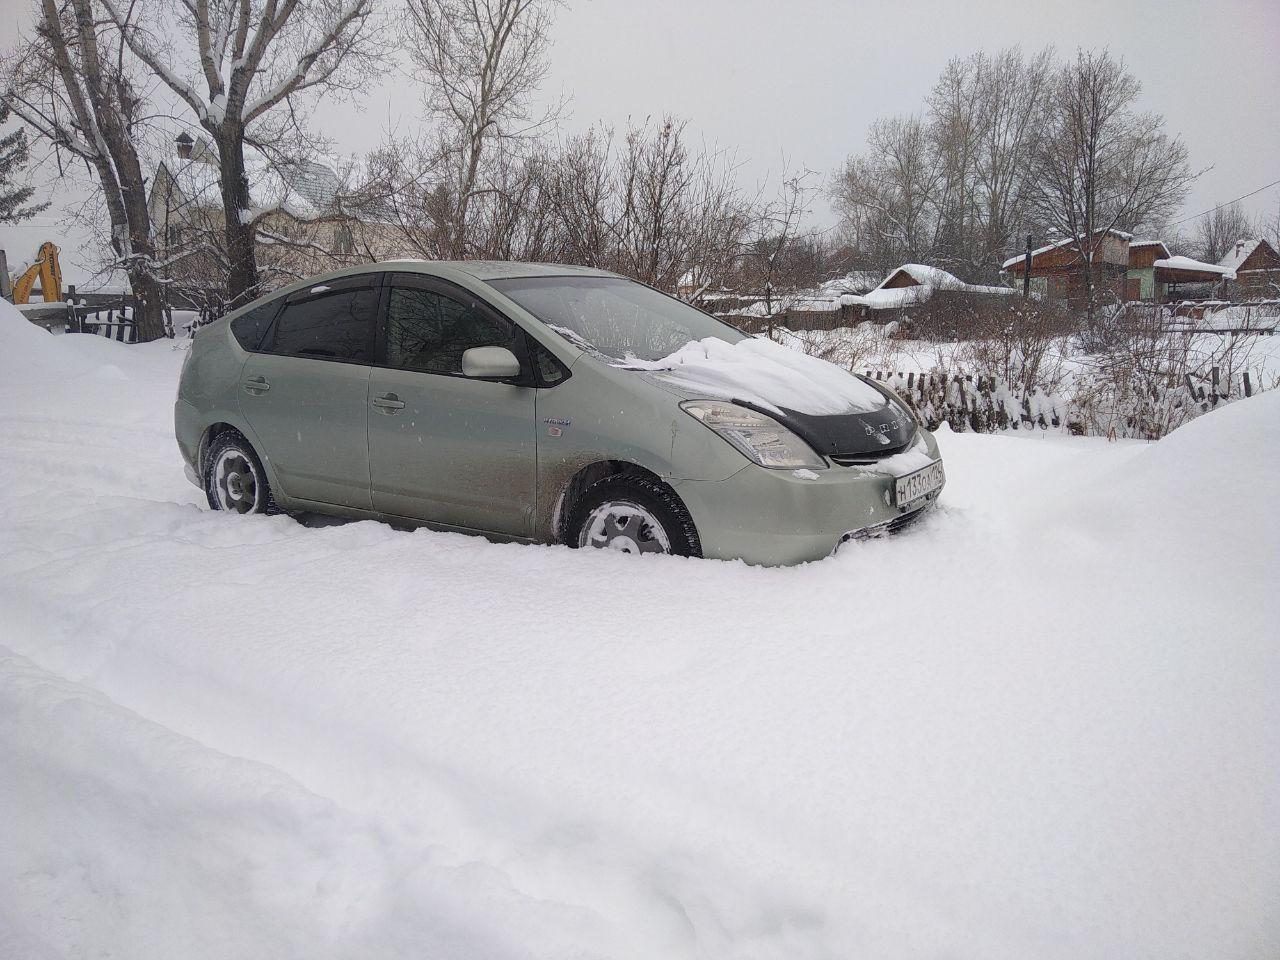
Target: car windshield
<point>612,317</point>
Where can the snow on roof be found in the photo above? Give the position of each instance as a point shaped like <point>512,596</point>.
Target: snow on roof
<point>892,299</point>
<point>1146,243</point>
<point>929,276</point>
<point>785,304</point>
<point>1186,263</point>
<point>1240,251</point>
<point>928,279</point>
<point>856,281</point>
<point>1061,243</point>
<point>306,190</point>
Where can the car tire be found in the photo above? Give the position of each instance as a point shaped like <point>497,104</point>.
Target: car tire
<point>632,514</point>
<point>234,479</point>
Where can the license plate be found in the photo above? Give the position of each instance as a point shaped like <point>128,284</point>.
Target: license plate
<point>909,490</point>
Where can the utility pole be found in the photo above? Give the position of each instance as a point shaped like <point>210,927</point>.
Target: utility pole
<point>1026,271</point>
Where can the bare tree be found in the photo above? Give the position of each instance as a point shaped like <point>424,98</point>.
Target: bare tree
<point>73,88</point>
<point>1218,232</point>
<point>1100,165</point>
<point>1012,105</point>
<point>949,186</point>
<point>885,197</point>
<point>482,61</point>
<point>1271,228</point>
<point>233,63</point>
<point>675,208</point>
<point>778,229</point>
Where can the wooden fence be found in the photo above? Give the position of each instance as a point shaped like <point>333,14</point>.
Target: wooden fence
<point>111,319</point>
<point>986,404</point>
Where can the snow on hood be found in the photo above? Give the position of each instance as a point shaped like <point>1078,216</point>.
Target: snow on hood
<point>763,373</point>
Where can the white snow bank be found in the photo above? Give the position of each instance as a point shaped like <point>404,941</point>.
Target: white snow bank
<point>1042,724</point>
<point>31,353</point>
<point>765,373</point>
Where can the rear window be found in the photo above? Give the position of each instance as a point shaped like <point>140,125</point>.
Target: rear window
<point>249,328</point>
<point>329,326</point>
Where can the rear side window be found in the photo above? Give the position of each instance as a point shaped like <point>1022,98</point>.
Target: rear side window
<point>249,328</point>
<point>429,332</point>
<point>337,325</point>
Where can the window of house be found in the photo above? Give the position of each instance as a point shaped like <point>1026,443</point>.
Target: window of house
<point>332,325</point>
<point>429,332</point>
<point>344,241</point>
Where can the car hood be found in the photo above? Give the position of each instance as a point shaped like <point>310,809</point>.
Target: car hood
<point>834,411</point>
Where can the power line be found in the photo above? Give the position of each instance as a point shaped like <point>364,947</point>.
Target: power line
<point>1227,204</point>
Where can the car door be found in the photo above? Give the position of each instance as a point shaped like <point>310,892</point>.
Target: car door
<point>444,447</point>
<point>306,394</point>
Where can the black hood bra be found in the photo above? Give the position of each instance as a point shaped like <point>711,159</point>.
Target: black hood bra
<point>879,433</point>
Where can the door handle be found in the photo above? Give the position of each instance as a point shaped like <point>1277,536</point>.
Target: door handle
<point>257,385</point>
<point>388,403</point>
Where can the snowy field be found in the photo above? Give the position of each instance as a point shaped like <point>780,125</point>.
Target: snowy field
<point>1045,723</point>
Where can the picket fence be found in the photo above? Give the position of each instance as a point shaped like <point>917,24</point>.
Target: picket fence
<point>985,404</point>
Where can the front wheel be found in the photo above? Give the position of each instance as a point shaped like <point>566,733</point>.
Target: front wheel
<point>633,514</point>
<point>234,479</point>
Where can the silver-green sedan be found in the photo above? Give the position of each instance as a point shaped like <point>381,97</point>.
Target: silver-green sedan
<point>543,404</point>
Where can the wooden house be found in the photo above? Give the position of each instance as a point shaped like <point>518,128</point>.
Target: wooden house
<point>1257,268</point>
<point>1058,269</point>
<point>1124,269</point>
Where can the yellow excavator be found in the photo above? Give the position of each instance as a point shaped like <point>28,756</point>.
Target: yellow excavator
<point>47,270</point>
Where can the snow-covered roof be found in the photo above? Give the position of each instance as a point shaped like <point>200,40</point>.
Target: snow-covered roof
<point>896,297</point>
<point>927,280</point>
<point>1139,244</point>
<point>929,276</point>
<point>856,281</point>
<point>1240,251</point>
<point>785,304</point>
<point>306,190</point>
<point>1061,243</point>
<point>1186,263</point>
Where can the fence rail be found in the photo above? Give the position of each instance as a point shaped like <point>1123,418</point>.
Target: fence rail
<point>981,403</point>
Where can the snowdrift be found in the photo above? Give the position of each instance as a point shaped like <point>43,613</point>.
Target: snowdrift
<point>1043,724</point>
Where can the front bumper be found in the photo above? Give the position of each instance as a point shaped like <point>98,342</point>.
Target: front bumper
<point>773,517</point>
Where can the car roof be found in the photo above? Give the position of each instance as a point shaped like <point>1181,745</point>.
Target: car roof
<point>478,270</point>
<point>490,269</point>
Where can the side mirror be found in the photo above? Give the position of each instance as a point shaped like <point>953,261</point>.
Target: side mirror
<point>490,363</point>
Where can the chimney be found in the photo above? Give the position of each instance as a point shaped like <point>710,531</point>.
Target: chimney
<point>1239,247</point>
<point>185,143</point>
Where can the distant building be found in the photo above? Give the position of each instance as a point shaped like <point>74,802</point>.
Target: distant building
<point>307,224</point>
<point>1257,268</point>
<point>1125,268</point>
<point>910,287</point>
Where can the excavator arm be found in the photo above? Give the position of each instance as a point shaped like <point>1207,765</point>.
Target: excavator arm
<point>47,270</point>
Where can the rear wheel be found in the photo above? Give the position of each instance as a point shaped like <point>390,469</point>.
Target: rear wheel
<point>234,479</point>
<point>633,514</point>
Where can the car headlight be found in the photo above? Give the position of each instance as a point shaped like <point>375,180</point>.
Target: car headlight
<point>759,438</point>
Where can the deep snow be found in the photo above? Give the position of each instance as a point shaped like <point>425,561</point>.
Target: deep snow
<point>1043,724</point>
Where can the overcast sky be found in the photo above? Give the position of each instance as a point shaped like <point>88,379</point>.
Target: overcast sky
<point>803,80</point>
